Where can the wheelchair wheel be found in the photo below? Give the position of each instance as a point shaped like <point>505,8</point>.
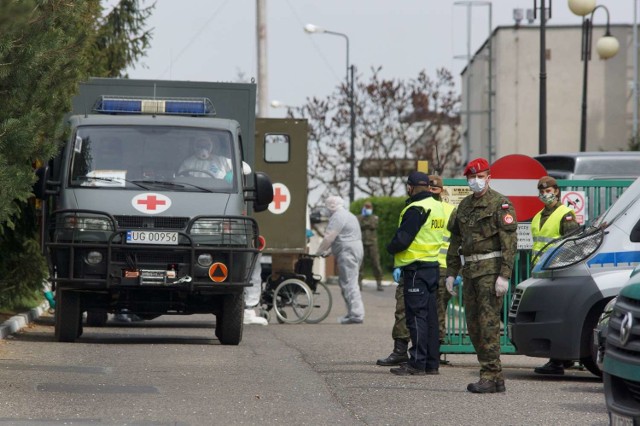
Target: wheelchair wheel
<point>322,302</point>
<point>292,301</point>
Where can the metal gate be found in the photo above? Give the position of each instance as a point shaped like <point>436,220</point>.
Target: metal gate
<point>600,194</point>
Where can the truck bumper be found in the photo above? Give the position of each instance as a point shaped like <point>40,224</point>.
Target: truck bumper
<point>547,315</point>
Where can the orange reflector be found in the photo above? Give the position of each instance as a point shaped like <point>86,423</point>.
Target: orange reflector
<point>262,243</point>
<point>218,272</point>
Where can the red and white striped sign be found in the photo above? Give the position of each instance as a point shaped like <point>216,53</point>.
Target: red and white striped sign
<point>516,176</point>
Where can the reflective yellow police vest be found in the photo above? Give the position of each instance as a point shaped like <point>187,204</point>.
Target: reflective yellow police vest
<point>446,235</point>
<point>549,232</point>
<point>425,246</point>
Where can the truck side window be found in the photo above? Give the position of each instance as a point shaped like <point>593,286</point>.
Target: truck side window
<point>276,148</point>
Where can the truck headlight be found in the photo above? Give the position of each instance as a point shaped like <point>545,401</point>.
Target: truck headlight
<point>207,227</point>
<point>205,259</point>
<point>572,250</point>
<point>88,223</point>
<point>93,257</point>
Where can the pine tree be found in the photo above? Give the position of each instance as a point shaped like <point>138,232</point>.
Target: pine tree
<point>46,48</point>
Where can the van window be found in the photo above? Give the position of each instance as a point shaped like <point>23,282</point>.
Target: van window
<point>560,163</point>
<point>612,166</point>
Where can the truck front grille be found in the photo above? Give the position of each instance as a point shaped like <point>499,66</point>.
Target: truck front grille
<point>151,222</point>
<point>161,257</point>
<point>633,388</point>
<point>515,302</point>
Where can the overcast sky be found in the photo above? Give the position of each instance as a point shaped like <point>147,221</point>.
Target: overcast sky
<point>215,40</point>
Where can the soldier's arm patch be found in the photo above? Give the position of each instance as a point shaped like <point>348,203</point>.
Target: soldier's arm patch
<point>505,206</point>
<point>568,217</point>
<point>507,219</point>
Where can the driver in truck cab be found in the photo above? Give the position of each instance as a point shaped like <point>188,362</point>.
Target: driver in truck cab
<point>206,160</point>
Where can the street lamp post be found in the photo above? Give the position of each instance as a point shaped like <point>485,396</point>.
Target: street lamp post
<point>542,119</point>
<point>607,47</point>
<point>311,29</point>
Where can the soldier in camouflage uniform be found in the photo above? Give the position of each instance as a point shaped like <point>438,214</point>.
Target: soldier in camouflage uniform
<point>484,233</point>
<point>369,227</point>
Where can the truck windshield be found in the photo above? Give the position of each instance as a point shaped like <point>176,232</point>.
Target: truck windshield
<point>159,157</point>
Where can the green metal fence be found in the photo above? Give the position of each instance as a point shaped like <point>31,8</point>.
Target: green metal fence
<point>599,195</point>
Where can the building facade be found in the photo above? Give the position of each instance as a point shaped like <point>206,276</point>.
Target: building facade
<point>501,93</point>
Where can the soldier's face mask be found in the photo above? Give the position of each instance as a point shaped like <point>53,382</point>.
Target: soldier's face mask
<point>548,198</point>
<point>477,184</point>
<point>366,211</point>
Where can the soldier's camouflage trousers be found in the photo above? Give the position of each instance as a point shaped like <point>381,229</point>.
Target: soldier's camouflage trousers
<point>482,311</point>
<point>400,330</point>
<point>371,255</point>
<point>443,297</point>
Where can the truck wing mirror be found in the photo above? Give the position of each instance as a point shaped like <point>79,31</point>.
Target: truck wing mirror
<point>42,186</point>
<point>264,191</point>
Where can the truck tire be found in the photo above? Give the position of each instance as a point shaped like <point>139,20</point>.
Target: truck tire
<point>97,318</point>
<point>229,323</point>
<point>68,317</point>
<point>590,362</point>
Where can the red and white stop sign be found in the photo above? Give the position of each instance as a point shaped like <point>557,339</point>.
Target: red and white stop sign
<point>516,176</point>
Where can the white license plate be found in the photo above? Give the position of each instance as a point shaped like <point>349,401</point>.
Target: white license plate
<point>618,420</point>
<point>152,237</point>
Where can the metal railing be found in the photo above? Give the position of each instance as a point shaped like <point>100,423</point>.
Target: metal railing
<point>599,195</point>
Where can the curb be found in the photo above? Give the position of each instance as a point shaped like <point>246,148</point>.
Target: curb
<point>19,321</point>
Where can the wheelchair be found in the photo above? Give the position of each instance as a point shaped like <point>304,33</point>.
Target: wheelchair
<point>298,296</point>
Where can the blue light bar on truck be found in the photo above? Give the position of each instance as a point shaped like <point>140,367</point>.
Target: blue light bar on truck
<point>164,106</point>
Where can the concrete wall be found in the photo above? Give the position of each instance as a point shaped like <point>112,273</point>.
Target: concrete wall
<point>516,76</point>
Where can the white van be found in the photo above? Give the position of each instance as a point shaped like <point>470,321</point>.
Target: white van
<point>553,314</point>
<point>592,165</point>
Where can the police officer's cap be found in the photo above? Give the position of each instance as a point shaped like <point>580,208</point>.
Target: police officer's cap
<point>418,179</point>
<point>547,182</point>
<point>476,166</point>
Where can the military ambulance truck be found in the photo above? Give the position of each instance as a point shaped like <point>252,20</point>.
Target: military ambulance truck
<point>149,203</point>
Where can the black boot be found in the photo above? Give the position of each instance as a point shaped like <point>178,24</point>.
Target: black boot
<point>399,354</point>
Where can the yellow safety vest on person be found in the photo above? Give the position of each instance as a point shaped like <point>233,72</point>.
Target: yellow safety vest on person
<point>425,247</point>
<point>446,235</point>
<point>549,231</point>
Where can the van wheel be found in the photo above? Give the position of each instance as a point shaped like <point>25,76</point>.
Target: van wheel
<point>229,324</point>
<point>68,317</point>
<point>97,318</point>
<point>590,362</point>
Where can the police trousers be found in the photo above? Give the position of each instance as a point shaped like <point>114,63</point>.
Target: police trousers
<point>420,287</point>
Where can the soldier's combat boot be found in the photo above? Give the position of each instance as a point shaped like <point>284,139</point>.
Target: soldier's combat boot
<point>379,286</point>
<point>486,386</point>
<point>398,356</point>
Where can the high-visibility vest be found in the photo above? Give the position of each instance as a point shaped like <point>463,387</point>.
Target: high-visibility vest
<point>425,247</point>
<point>549,231</point>
<point>446,235</point>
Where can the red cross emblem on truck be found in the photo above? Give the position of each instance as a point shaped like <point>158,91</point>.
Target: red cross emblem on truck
<point>151,203</point>
<point>281,198</point>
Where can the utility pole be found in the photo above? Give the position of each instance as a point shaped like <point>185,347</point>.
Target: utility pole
<point>261,43</point>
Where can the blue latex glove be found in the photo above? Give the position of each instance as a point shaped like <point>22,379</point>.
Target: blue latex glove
<point>396,274</point>
<point>458,281</point>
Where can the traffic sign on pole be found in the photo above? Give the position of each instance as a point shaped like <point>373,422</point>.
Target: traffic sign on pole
<point>516,176</point>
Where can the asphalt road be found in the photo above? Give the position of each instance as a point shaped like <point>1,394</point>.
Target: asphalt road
<point>172,371</point>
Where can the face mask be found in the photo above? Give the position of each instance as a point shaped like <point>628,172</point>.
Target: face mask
<point>547,198</point>
<point>477,184</point>
<point>367,212</point>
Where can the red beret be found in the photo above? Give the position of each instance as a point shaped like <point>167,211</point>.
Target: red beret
<point>476,166</point>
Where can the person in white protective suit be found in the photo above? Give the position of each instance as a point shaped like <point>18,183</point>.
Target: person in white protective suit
<point>344,239</point>
<point>252,296</point>
<point>206,159</point>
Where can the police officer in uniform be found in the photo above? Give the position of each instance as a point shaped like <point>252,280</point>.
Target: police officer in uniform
<point>415,247</point>
<point>552,222</point>
<point>443,296</point>
<point>484,233</point>
<point>369,227</point>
